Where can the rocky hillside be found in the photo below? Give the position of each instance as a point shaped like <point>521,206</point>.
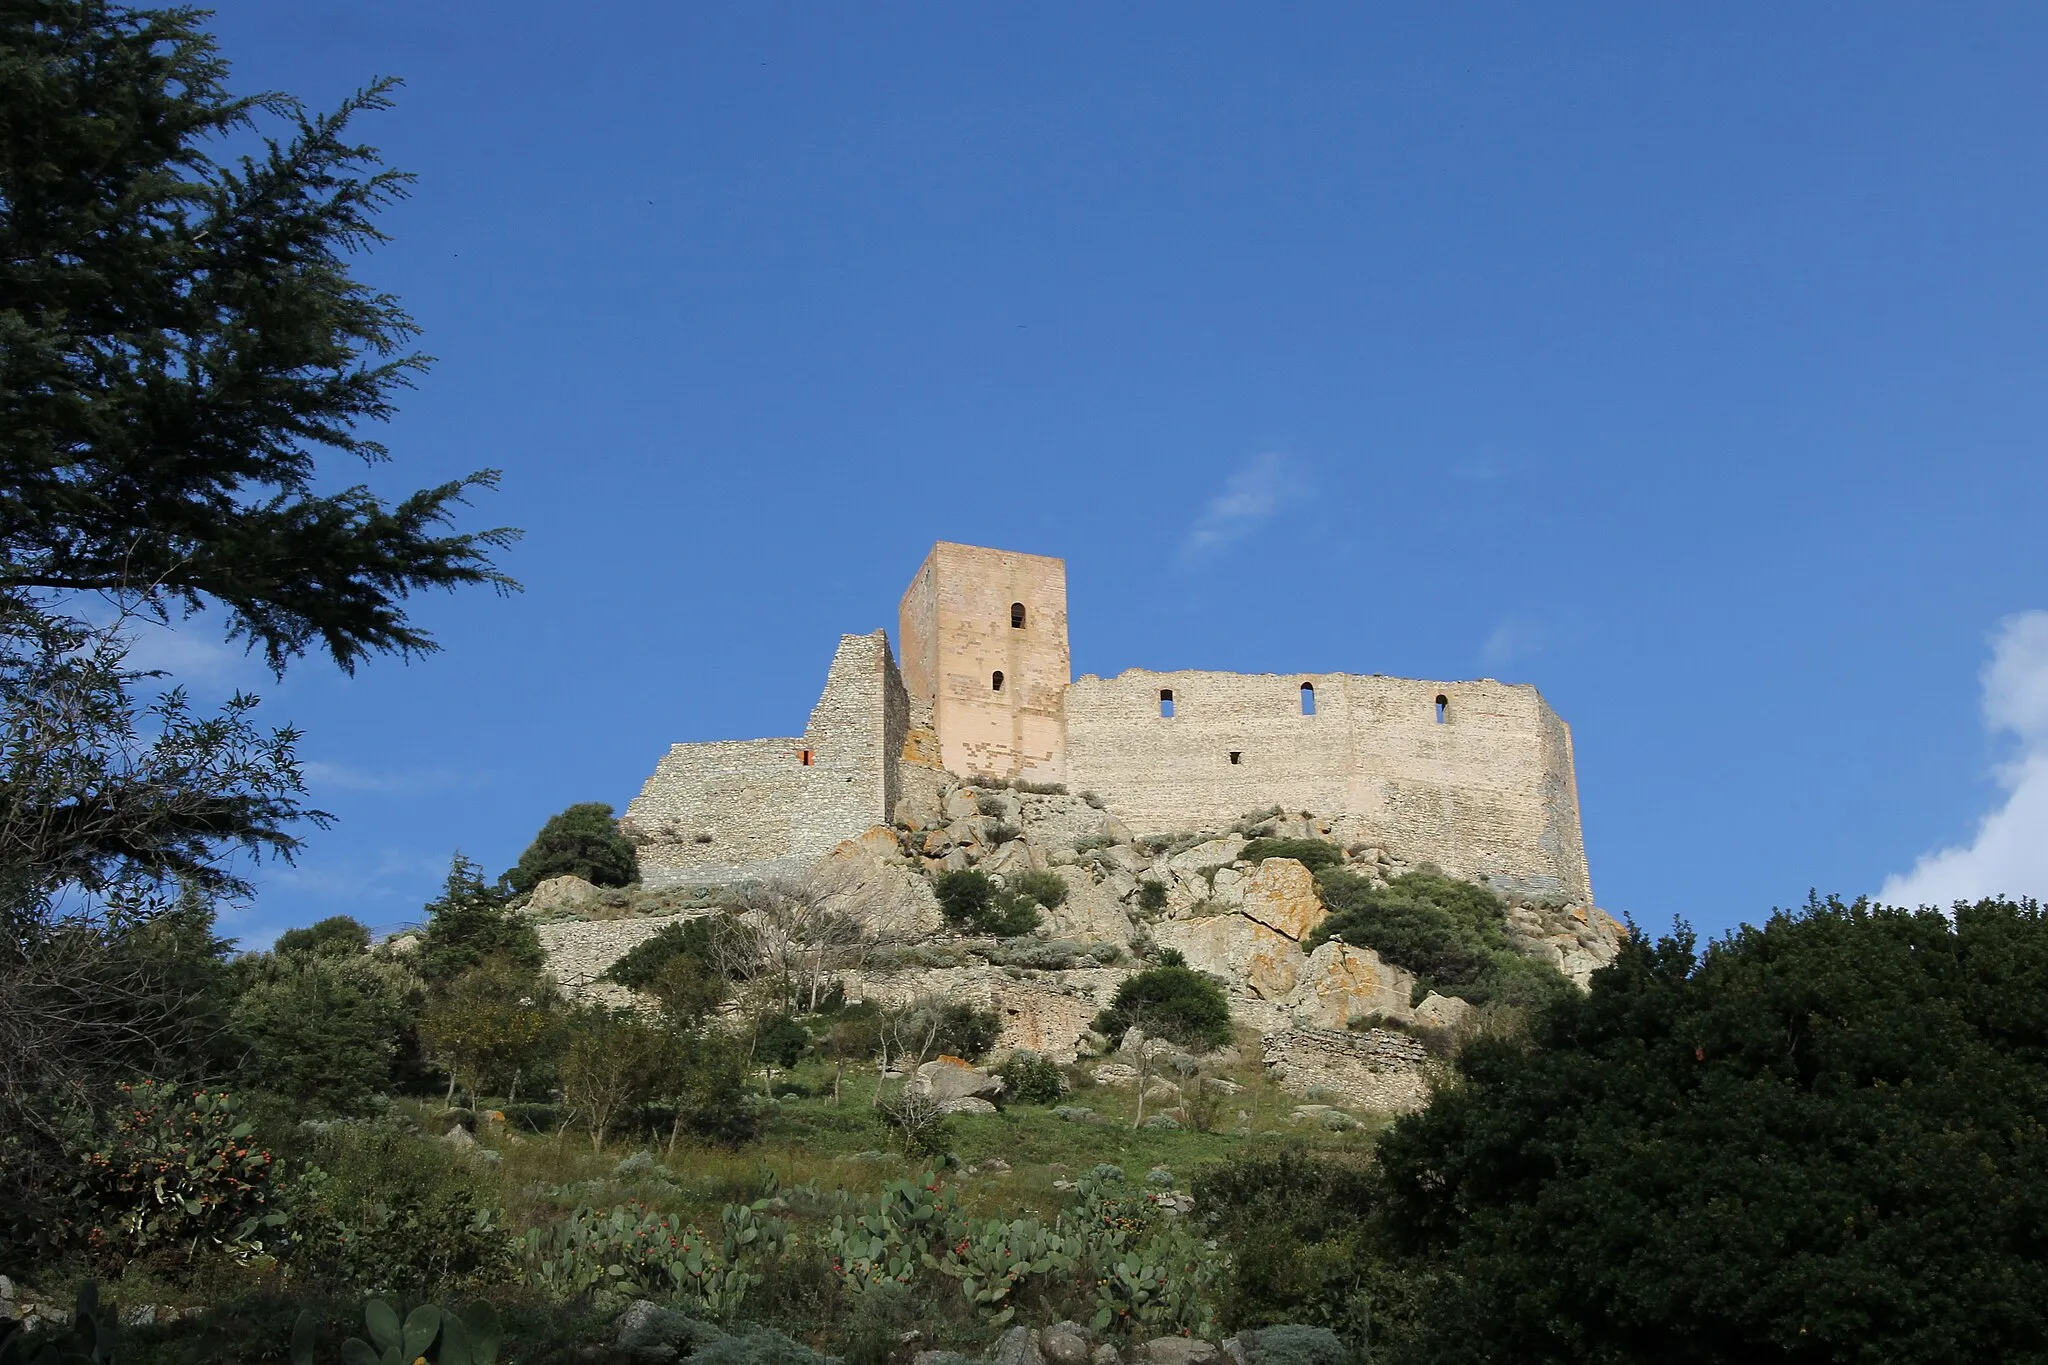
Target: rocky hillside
<point>1330,1016</point>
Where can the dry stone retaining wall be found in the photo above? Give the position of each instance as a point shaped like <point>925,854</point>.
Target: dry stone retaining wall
<point>1376,1069</point>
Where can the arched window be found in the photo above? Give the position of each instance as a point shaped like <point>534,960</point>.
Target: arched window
<point>1166,702</point>
<point>1016,616</point>
<point>1443,708</point>
<point>1308,699</point>
<point>995,683</point>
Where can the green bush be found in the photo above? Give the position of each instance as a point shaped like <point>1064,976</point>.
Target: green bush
<point>680,967</point>
<point>583,841</point>
<point>468,924</point>
<point>781,1042</point>
<point>1151,896</point>
<point>971,900</point>
<point>1031,1079</point>
<point>323,1031</point>
<point>965,1032</point>
<point>1822,1139</point>
<point>335,936</point>
<point>1452,934</point>
<point>1047,888</point>
<point>1313,854</point>
<point>176,1169</point>
<point>1296,1225</point>
<point>1176,1003</point>
<point>386,1211</point>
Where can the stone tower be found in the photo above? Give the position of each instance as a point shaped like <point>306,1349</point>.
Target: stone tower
<point>984,640</point>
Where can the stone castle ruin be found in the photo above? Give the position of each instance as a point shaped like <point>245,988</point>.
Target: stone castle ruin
<point>976,748</point>
<point>1476,776</point>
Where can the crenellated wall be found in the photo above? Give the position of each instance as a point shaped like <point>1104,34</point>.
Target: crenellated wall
<point>1486,791</point>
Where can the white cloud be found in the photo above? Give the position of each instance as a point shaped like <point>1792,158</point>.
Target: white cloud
<point>1510,639</point>
<point>1250,496</point>
<point>2009,855</point>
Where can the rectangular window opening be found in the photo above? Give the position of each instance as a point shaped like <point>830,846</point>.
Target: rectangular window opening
<point>1166,702</point>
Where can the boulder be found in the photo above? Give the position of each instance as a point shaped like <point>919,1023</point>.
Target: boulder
<point>958,804</point>
<point>563,893</point>
<point>651,1332</point>
<point>1105,1354</point>
<point>1090,913</point>
<point>1288,1344</point>
<point>1280,893</point>
<point>1065,1343</point>
<point>1018,1346</point>
<point>1116,1073</point>
<point>1443,1011</point>
<point>949,1078</point>
<point>1177,1351</point>
<point>970,1105</point>
<point>1209,854</point>
<point>885,897</point>
<point>1340,983</point>
<point>1247,954</point>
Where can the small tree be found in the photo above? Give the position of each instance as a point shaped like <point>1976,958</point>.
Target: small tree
<point>614,1061</point>
<point>495,1022</point>
<point>470,923</point>
<point>583,841</point>
<point>335,936</point>
<point>323,1031</point>
<point>1170,1002</point>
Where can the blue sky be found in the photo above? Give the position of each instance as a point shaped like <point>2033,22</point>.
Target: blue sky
<point>1686,362</point>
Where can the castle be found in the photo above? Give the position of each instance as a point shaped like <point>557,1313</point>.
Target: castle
<point>1476,777</point>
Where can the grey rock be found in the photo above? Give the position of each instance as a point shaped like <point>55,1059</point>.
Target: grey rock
<point>946,1080</point>
<point>460,1138</point>
<point>656,1333</point>
<point>1177,1351</point>
<point>1105,1354</point>
<point>969,1105</point>
<point>1018,1346</point>
<point>1064,1343</point>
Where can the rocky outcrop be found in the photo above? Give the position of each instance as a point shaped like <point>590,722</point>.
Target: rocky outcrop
<point>1245,954</point>
<point>1341,983</point>
<point>1281,894</point>
<point>564,894</point>
<point>948,1079</point>
<point>868,879</point>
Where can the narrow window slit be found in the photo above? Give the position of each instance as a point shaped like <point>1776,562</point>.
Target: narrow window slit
<point>805,757</point>
<point>1308,699</point>
<point>1443,709</point>
<point>995,683</point>
<point>1166,702</point>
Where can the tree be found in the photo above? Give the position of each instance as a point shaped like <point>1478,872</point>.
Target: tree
<point>494,1023</point>
<point>1452,934</point>
<point>1176,1003</point>
<point>583,841</point>
<point>1824,1139</point>
<point>181,334</point>
<point>335,936</point>
<point>181,341</point>
<point>614,1062</point>
<point>323,1030</point>
<point>469,923</point>
<point>971,900</point>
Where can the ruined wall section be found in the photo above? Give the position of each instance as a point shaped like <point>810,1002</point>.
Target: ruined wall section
<point>734,809</point>
<point>996,690</point>
<point>1487,792</point>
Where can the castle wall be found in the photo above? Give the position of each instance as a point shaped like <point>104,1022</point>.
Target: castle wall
<point>955,623</point>
<point>733,809</point>
<point>1488,793</point>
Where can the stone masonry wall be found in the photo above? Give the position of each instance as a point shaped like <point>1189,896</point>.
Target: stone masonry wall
<point>956,626</point>
<point>733,809</point>
<point>1488,791</point>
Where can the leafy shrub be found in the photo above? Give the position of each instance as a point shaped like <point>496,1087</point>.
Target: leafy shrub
<point>916,1123</point>
<point>1778,1144</point>
<point>1151,896</point>
<point>1294,1343</point>
<point>990,804</point>
<point>1169,1002</point>
<point>1039,788</point>
<point>1003,834</point>
<point>322,1030</point>
<point>1296,1225</point>
<point>781,1041</point>
<point>1093,800</point>
<point>1031,1079</point>
<point>493,1025</point>
<point>335,936</point>
<point>390,1212</point>
<point>971,900</point>
<point>1313,854</point>
<point>469,924</point>
<point>1452,934</point>
<point>966,1032</point>
<point>1047,888</point>
<point>175,1170</point>
<point>683,966</point>
<point>429,1333</point>
<point>583,841</point>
